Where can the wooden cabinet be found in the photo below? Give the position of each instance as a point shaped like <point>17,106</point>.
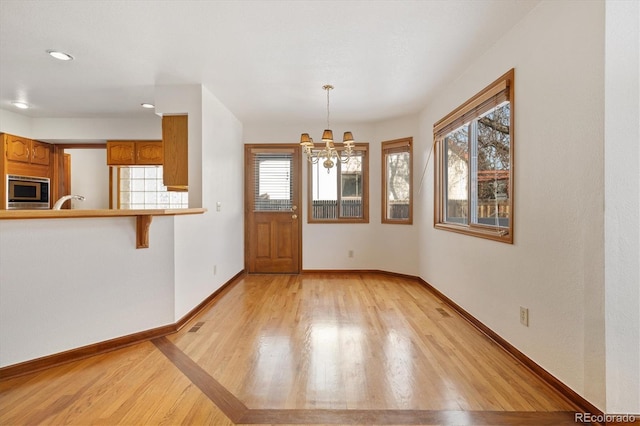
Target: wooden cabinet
<point>27,151</point>
<point>175,139</point>
<point>40,153</point>
<point>120,153</point>
<point>149,152</point>
<point>127,153</point>
<point>24,157</point>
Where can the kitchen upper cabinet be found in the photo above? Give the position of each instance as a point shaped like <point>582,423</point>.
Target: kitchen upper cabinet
<point>149,152</point>
<point>128,153</point>
<point>175,141</point>
<point>40,153</point>
<point>27,151</point>
<point>121,153</point>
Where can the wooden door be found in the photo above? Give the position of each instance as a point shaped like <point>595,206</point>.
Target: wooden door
<point>149,152</point>
<point>121,153</point>
<point>41,152</point>
<point>175,144</point>
<point>273,227</point>
<point>18,149</point>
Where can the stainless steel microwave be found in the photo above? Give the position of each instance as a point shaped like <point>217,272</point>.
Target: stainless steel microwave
<point>27,192</point>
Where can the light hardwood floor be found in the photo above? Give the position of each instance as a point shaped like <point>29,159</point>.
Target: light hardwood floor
<point>308,349</point>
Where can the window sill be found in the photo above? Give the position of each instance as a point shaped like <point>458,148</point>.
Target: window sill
<point>503,235</point>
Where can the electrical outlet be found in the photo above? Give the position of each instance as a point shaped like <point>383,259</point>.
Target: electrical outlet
<point>215,269</point>
<point>524,316</point>
<point>350,253</point>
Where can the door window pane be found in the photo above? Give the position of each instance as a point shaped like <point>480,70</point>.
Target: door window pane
<point>273,185</point>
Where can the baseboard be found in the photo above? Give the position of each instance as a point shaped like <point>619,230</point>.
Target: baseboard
<point>579,403</point>
<point>76,354</point>
<point>195,311</point>
<point>358,271</point>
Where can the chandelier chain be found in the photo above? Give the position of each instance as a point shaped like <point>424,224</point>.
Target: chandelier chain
<point>328,87</point>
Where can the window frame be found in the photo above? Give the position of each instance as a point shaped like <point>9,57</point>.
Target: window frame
<point>362,147</point>
<point>472,109</point>
<point>392,147</point>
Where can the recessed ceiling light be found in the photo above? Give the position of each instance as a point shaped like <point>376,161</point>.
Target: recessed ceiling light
<point>60,55</point>
<point>146,105</point>
<point>20,105</point>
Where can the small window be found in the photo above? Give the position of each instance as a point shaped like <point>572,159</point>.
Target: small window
<point>474,164</point>
<point>397,172</point>
<point>140,187</point>
<point>340,194</point>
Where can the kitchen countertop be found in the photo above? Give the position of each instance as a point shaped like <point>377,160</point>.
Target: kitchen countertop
<point>143,217</point>
<point>57,214</point>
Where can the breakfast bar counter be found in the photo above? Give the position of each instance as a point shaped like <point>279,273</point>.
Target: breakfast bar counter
<point>143,217</point>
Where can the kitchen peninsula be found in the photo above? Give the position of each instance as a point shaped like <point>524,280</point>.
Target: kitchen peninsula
<point>143,217</point>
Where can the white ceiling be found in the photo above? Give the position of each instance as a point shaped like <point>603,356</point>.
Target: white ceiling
<point>265,60</point>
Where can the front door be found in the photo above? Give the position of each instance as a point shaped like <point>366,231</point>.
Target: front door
<point>273,228</point>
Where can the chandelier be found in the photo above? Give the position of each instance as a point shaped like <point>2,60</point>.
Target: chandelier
<point>329,154</point>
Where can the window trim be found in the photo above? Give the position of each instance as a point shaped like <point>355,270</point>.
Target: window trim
<point>362,147</point>
<point>501,89</point>
<point>390,147</point>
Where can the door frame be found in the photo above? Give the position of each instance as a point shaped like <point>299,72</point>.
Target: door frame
<point>297,191</point>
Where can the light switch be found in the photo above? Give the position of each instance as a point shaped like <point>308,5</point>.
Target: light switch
<point>218,206</point>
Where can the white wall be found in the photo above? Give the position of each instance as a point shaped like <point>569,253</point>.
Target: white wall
<point>67,283</point>
<point>326,246</point>
<point>80,129</point>
<point>397,244</point>
<point>89,177</point>
<point>555,266</point>
<point>96,129</point>
<point>215,174</point>
<point>15,124</point>
<point>622,195</point>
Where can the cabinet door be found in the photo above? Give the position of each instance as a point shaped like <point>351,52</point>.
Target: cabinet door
<point>120,153</point>
<point>149,152</point>
<point>18,149</point>
<point>40,153</point>
<point>175,142</point>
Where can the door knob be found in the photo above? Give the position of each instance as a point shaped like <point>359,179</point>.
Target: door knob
<point>294,216</point>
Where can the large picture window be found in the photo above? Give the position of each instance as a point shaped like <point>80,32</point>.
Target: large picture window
<point>340,194</point>
<point>397,169</point>
<point>474,164</point>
